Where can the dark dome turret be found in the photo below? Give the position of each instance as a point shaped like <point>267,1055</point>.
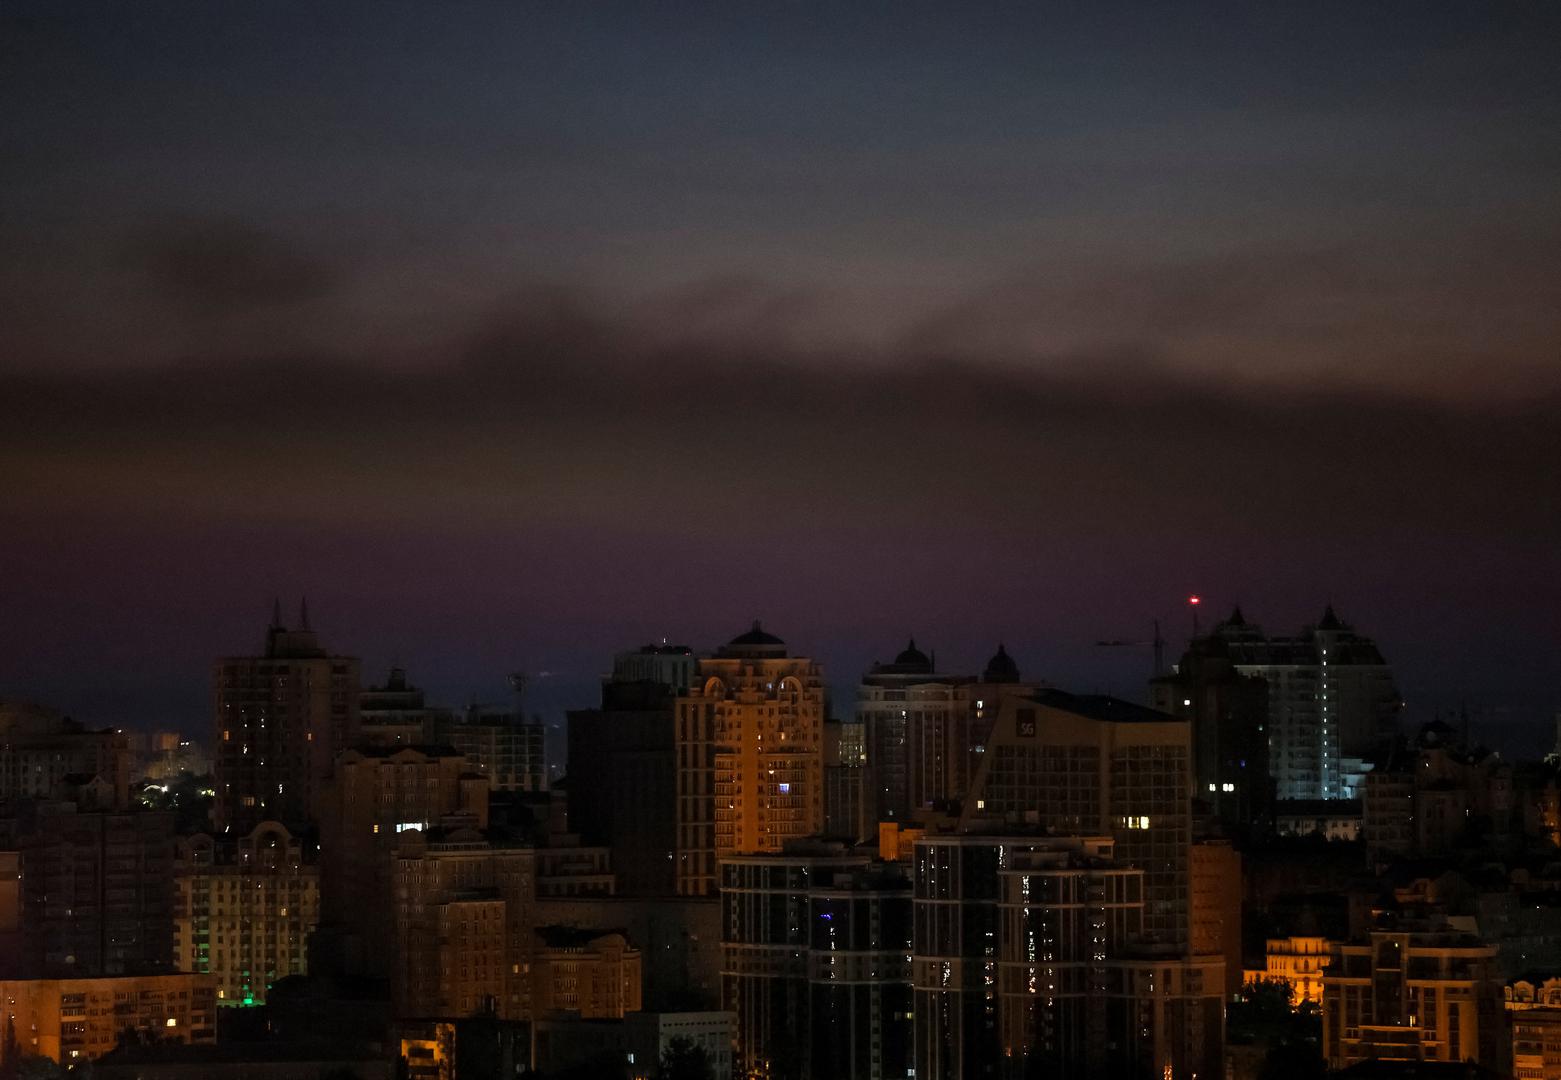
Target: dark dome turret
<point>913,659</point>
<point>757,642</point>
<point>1001,668</point>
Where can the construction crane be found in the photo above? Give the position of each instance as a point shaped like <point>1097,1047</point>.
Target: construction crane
<point>1157,642</point>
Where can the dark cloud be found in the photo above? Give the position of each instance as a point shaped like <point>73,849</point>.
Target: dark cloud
<point>214,268</point>
<point>551,406</point>
<point>564,480</point>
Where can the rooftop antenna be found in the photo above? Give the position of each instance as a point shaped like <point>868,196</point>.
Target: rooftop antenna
<point>276,613</point>
<point>303,612</point>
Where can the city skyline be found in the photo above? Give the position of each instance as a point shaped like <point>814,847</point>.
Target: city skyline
<point>730,541</point>
<point>552,689</point>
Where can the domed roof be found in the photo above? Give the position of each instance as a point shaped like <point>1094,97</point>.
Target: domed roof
<point>756,644</point>
<point>1001,668</point>
<point>913,658</point>
<point>757,636</point>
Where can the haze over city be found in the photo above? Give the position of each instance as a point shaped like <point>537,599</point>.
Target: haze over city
<point>729,541</point>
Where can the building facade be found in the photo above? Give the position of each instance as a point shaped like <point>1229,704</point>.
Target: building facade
<point>623,776</point>
<point>1229,714</point>
<point>916,723</point>
<point>595,973</point>
<point>1416,991</point>
<point>1215,906</point>
<point>244,910</point>
<point>1298,962</point>
<point>76,1020</point>
<point>375,795</point>
<point>816,942</point>
<point>96,891</point>
<point>1095,766</point>
<point>40,750</point>
<point>281,720</point>
<point>749,756</point>
<point>462,908</point>
<point>1331,697</point>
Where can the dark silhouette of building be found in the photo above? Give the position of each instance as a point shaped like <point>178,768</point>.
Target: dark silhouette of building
<point>845,781</point>
<point>97,891</point>
<point>816,940</point>
<point>1079,765</point>
<point>1229,715</point>
<point>623,770</point>
<point>1332,702</point>
<point>43,752</point>
<point>925,731</point>
<point>281,720</point>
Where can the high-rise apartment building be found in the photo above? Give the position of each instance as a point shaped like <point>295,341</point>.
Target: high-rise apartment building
<point>501,744</point>
<point>925,731</point>
<point>917,727</point>
<point>845,784</point>
<point>281,719</point>
<point>375,794</point>
<point>398,714</point>
<point>982,938</point>
<point>97,891</point>
<point>623,768</point>
<point>815,942</point>
<point>859,974</point>
<point>1096,766</point>
<point>1229,714</point>
<point>749,745</point>
<point>463,926</point>
<point>1331,702</point>
<point>1029,961</point>
<point>244,909</point>
<point>1425,797</point>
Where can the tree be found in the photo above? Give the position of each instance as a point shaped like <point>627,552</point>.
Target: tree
<point>683,1059</point>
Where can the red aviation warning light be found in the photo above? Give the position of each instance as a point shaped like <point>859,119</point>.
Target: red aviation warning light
<point>1195,600</point>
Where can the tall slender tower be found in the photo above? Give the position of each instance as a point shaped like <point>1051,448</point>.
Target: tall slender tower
<point>280,720</point>
<point>750,736</point>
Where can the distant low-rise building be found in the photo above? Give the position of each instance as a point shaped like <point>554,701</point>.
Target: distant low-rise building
<point>1298,961</point>
<point>71,1020</point>
<point>595,973</point>
<point>1414,990</point>
<point>1328,819</point>
<point>1435,797</point>
<point>40,750</point>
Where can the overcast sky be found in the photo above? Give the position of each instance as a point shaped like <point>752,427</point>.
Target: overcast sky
<point>514,334</point>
